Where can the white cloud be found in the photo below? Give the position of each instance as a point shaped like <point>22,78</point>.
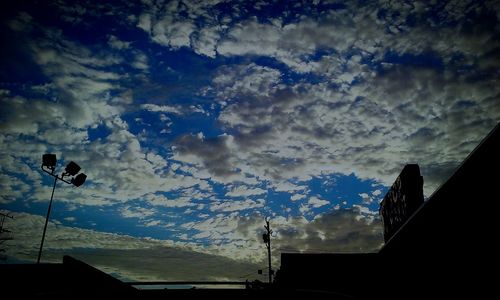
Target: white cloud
<point>140,62</point>
<point>244,191</point>
<point>152,223</point>
<point>253,80</point>
<point>12,189</point>
<point>116,43</point>
<point>365,210</point>
<point>292,43</point>
<point>286,186</point>
<point>172,33</point>
<point>161,200</point>
<point>204,41</point>
<point>162,108</point>
<point>136,212</point>
<point>251,37</point>
<point>366,198</point>
<point>173,109</point>
<point>145,22</point>
<point>176,26</point>
<point>118,169</point>
<point>236,205</point>
<point>317,202</point>
<point>398,116</point>
<point>304,209</point>
<point>296,197</point>
<point>313,202</point>
<point>81,100</point>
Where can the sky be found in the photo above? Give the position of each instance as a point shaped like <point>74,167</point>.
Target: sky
<point>196,120</point>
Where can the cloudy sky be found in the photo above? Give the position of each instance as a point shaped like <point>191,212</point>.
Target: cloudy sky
<point>195,120</point>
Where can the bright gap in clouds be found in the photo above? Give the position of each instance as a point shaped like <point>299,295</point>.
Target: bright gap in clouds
<point>196,120</point>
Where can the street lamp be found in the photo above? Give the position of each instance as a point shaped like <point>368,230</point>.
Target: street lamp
<point>48,166</point>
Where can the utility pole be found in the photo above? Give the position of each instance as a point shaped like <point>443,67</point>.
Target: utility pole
<point>5,234</point>
<point>267,240</point>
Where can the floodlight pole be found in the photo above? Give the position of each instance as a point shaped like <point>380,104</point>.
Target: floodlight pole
<point>47,219</point>
<point>71,169</point>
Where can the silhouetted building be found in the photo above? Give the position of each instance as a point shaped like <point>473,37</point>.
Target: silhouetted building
<point>451,237</point>
<point>72,278</point>
<point>440,248</point>
<point>403,199</point>
<point>339,275</point>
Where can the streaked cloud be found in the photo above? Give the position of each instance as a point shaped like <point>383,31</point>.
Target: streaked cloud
<point>128,257</point>
<point>116,43</point>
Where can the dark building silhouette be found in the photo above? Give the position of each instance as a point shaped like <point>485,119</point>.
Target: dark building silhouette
<point>451,239</point>
<point>342,275</point>
<point>403,199</point>
<point>69,279</point>
<point>339,273</point>
<point>446,248</point>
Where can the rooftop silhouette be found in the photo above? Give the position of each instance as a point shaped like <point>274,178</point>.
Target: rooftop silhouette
<point>441,247</point>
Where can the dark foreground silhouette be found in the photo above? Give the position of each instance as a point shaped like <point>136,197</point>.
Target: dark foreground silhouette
<point>443,248</point>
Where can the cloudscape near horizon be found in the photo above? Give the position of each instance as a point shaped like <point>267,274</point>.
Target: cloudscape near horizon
<point>195,120</point>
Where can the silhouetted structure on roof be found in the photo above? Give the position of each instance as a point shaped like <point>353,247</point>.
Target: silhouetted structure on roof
<point>403,199</point>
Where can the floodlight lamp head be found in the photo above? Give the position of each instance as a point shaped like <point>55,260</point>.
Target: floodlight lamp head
<point>79,179</point>
<point>72,168</point>
<point>49,161</point>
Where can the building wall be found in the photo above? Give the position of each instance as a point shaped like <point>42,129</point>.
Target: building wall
<point>403,199</point>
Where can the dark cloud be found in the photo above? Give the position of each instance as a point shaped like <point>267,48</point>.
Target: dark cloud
<point>336,231</point>
<point>161,263</point>
<point>344,231</point>
<point>213,153</point>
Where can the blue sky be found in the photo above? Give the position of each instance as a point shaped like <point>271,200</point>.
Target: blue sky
<point>195,120</point>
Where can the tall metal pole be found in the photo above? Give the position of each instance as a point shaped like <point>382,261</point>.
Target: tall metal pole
<point>268,244</point>
<point>46,220</point>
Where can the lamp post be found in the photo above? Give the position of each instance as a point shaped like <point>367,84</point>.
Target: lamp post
<point>48,166</point>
